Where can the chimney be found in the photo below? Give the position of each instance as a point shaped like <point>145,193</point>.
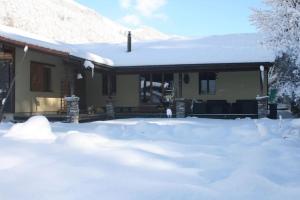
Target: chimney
<point>129,42</point>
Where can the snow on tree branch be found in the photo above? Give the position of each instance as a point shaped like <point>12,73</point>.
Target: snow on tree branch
<point>281,26</point>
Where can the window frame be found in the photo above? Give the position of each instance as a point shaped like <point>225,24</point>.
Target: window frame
<point>208,77</point>
<point>143,98</point>
<point>109,84</point>
<point>45,76</point>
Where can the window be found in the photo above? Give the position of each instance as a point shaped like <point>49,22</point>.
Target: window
<point>155,86</point>
<point>40,77</point>
<point>145,88</point>
<point>207,83</point>
<point>109,84</point>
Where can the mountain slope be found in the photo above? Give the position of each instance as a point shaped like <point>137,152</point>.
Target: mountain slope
<point>68,21</point>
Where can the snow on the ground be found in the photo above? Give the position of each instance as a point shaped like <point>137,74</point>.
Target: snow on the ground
<point>154,159</point>
<point>36,128</point>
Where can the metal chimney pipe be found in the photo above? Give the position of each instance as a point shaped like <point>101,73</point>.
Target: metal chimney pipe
<point>129,42</point>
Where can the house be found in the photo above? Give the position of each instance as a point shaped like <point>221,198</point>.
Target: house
<point>215,76</point>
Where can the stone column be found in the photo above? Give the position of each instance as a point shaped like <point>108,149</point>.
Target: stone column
<point>72,109</point>
<point>180,108</point>
<point>262,106</point>
<point>110,112</point>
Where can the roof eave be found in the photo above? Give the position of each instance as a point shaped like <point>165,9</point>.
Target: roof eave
<point>195,67</point>
<point>20,44</point>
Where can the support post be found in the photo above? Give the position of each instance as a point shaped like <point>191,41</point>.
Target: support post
<point>180,108</point>
<point>72,109</point>
<point>262,106</point>
<point>110,112</point>
<point>261,99</point>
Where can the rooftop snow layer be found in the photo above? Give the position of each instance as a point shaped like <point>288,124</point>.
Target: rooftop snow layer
<point>36,40</point>
<point>234,48</point>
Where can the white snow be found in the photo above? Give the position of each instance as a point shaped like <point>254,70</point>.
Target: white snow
<point>68,21</point>
<point>36,128</point>
<point>235,48</point>
<point>89,65</point>
<point>154,159</point>
<point>40,41</point>
<point>25,48</point>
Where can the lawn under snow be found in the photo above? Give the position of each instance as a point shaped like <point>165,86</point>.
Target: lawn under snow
<point>150,159</point>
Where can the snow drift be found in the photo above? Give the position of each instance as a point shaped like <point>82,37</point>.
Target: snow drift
<point>35,128</point>
<point>140,159</point>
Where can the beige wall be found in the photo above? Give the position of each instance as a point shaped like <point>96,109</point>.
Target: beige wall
<point>127,91</point>
<point>28,101</point>
<point>230,86</point>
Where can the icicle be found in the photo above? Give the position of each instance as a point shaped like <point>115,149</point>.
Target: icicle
<point>88,64</point>
<point>3,101</point>
<point>262,69</point>
<point>26,49</point>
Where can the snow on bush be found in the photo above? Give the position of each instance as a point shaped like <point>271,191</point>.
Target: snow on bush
<point>35,128</point>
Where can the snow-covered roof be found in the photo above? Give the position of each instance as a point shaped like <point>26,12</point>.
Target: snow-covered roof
<point>234,48</point>
<point>43,42</point>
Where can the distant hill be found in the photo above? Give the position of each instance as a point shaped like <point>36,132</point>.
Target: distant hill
<point>68,21</point>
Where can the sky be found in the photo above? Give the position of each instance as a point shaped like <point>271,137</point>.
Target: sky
<point>181,17</point>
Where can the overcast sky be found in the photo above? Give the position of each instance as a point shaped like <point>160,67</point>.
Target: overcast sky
<point>181,17</point>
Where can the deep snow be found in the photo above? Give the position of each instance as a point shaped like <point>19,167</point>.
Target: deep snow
<point>152,159</point>
<point>232,48</point>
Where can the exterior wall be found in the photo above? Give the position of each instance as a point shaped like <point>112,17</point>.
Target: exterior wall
<point>27,101</point>
<point>127,91</point>
<point>230,86</point>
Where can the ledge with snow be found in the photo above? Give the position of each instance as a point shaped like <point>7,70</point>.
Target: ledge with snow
<point>216,76</point>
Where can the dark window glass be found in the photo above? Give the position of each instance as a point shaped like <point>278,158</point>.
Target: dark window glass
<point>207,83</point>
<point>40,77</point>
<point>145,86</point>
<point>168,81</point>
<point>156,94</point>
<point>113,81</point>
<point>104,84</point>
<point>155,86</point>
<point>109,84</point>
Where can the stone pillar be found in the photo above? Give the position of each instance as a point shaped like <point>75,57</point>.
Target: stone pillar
<point>72,109</point>
<point>262,106</point>
<point>180,108</point>
<point>110,112</point>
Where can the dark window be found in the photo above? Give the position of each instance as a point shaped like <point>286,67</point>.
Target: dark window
<point>207,83</point>
<point>109,84</point>
<point>145,88</point>
<point>154,87</point>
<point>40,77</point>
